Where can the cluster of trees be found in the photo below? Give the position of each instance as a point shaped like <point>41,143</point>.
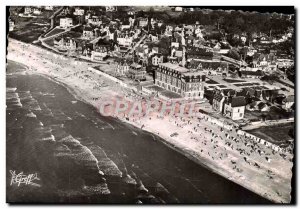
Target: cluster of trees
<point>237,22</point>
<point>271,78</point>
<point>233,22</point>
<point>164,45</point>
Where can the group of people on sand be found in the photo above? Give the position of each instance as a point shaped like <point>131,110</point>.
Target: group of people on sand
<point>218,143</point>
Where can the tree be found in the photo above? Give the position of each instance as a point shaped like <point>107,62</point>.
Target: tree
<point>164,45</point>
<point>270,78</point>
<point>233,54</point>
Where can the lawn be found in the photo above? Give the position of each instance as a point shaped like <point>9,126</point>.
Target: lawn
<point>28,33</point>
<point>50,42</point>
<point>275,113</point>
<point>278,134</point>
<point>55,31</point>
<point>28,29</point>
<point>210,81</point>
<point>233,80</point>
<point>222,86</point>
<point>246,84</point>
<point>71,34</point>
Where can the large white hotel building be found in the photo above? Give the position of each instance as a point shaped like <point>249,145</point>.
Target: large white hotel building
<point>189,84</point>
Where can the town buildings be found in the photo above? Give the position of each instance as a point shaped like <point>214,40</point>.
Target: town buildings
<point>88,32</point>
<point>209,67</point>
<point>124,39</point>
<point>156,59</point>
<point>94,21</point>
<point>143,22</point>
<point>234,107</point>
<point>50,8</point>
<point>111,8</point>
<point>78,12</point>
<point>122,68</point>
<point>229,104</point>
<point>99,52</point>
<point>28,10</point>
<point>137,72</point>
<point>65,44</point>
<point>65,22</point>
<point>265,62</point>
<point>11,24</point>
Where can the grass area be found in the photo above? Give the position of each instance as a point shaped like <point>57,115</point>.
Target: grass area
<point>233,80</point>
<point>210,81</point>
<point>28,29</point>
<point>222,86</point>
<point>279,134</point>
<point>55,31</point>
<point>170,94</point>
<point>247,84</point>
<point>275,113</point>
<point>71,34</point>
<point>28,33</point>
<point>50,42</point>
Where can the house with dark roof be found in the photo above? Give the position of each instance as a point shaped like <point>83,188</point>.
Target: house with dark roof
<point>100,52</point>
<point>234,107</point>
<point>137,72</point>
<point>228,103</point>
<point>88,32</point>
<point>218,101</point>
<point>156,59</point>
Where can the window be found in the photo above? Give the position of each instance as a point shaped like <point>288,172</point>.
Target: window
<point>241,114</point>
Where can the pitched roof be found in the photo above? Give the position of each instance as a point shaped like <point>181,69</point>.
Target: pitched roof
<point>135,65</point>
<point>189,32</point>
<point>139,49</point>
<point>218,97</point>
<point>237,101</point>
<point>261,105</point>
<point>191,37</point>
<point>174,67</point>
<point>228,92</point>
<point>87,28</point>
<point>178,53</point>
<point>168,33</point>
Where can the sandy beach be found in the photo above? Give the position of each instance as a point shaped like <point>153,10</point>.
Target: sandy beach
<point>235,157</point>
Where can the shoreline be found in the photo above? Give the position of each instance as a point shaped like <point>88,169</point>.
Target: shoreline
<point>165,142</point>
<point>213,166</point>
